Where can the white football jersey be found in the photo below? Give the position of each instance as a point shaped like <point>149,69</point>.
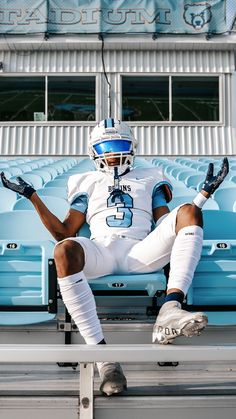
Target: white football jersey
<point>128,214</point>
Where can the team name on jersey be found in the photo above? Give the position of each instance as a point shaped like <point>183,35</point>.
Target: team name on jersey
<point>123,188</point>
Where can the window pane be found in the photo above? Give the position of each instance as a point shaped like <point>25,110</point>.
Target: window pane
<point>71,99</point>
<point>195,99</point>
<point>22,98</point>
<point>145,98</point>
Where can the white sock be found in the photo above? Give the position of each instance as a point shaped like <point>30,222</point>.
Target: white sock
<point>79,300</point>
<point>185,255</point>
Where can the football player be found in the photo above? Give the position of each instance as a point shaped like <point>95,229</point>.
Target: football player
<point>132,231</point>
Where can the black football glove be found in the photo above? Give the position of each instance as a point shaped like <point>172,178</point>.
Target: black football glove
<point>212,182</point>
<point>23,188</point>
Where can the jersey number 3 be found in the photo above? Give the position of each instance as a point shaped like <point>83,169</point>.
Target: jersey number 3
<point>124,215</point>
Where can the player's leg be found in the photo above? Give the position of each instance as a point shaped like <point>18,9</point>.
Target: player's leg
<point>172,321</point>
<point>178,240</point>
<point>70,256</point>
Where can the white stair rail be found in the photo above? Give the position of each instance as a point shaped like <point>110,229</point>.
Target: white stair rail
<point>44,353</point>
<point>86,355</point>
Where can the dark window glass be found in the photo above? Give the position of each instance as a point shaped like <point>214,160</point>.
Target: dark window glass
<point>195,99</point>
<point>71,99</point>
<point>22,98</point>
<point>145,98</point>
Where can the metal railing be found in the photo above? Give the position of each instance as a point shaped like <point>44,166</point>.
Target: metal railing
<point>86,355</point>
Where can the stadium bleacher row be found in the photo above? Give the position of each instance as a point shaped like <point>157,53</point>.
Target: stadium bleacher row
<point>28,284</point>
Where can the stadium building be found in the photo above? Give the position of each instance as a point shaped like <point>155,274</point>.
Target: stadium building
<point>168,69</point>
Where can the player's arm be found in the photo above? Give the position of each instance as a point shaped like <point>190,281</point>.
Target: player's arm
<point>59,230</point>
<point>159,203</point>
<point>159,212</point>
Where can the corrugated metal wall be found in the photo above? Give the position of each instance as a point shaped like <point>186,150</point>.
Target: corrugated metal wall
<point>155,138</point>
<point>118,61</point>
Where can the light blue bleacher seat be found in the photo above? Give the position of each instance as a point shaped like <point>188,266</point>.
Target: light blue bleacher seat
<point>7,199</point>
<point>178,172</point>
<point>209,205</point>
<point>4,166</point>
<point>225,197</point>
<point>51,170</point>
<point>57,205</point>
<point>205,159</point>
<point>60,192</point>
<point>59,168</point>
<point>185,174</point>
<point>232,176</point>
<point>33,164</point>
<point>84,165</point>
<point>183,191</point>
<point>28,285</point>
<point>57,183</point>
<point>203,168</point>
<point>45,175</point>
<point>12,163</point>
<point>141,162</point>
<point>16,171</point>
<point>12,171</point>
<point>24,167</point>
<point>194,164</point>
<point>214,284</point>
<point>35,180</point>
<point>65,175</point>
<point>193,181</point>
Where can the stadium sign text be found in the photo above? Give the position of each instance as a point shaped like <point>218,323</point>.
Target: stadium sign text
<point>84,16</point>
<point>112,16</point>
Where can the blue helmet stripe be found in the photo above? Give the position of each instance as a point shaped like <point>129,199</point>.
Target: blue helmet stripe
<point>109,123</point>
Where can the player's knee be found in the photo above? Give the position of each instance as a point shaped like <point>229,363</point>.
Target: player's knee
<point>68,252</point>
<point>190,214</point>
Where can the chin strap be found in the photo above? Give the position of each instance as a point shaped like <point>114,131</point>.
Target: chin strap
<point>117,192</point>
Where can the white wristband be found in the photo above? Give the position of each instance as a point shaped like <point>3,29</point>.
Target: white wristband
<point>199,200</point>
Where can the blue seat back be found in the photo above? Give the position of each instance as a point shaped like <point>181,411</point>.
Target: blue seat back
<point>7,199</point>
<point>58,192</point>
<point>226,197</point>
<point>61,183</point>
<point>58,206</point>
<point>214,283</point>
<point>27,281</point>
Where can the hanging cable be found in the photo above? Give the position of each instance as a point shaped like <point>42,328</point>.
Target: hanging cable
<point>105,75</point>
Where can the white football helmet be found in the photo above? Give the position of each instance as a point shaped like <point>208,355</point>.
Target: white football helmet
<point>112,138</point>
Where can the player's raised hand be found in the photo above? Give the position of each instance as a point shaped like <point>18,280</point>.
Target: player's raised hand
<point>22,188</point>
<point>212,182</point>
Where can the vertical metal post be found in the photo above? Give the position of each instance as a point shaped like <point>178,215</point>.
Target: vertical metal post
<point>86,390</point>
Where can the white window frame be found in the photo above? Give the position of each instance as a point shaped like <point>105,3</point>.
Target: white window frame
<point>221,120</point>
<point>56,123</point>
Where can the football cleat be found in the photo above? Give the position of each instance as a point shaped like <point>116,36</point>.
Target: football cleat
<point>172,321</point>
<point>112,140</point>
<point>112,377</point>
